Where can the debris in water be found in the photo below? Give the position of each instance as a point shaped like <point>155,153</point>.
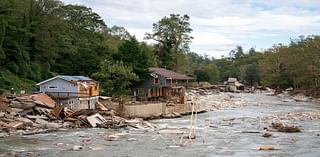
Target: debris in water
<point>229,119</point>
<point>38,113</point>
<point>267,134</point>
<point>285,128</point>
<point>76,148</point>
<point>96,148</point>
<point>96,119</point>
<point>266,147</point>
<point>175,146</point>
<point>251,132</point>
<point>171,131</point>
<point>189,136</point>
<point>132,139</point>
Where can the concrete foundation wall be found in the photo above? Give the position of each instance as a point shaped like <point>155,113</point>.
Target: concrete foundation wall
<point>179,108</point>
<point>148,110</point>
<point>144,110</point>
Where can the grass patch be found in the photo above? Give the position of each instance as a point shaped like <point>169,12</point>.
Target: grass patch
<point>9,80</point>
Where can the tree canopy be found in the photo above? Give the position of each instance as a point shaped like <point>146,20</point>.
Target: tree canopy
<point>173,36</point>
<point>43,38</point>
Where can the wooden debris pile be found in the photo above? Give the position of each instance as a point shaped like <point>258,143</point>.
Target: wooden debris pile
<point>39,113</point>
<point>205,90</point>
<point>299,116</point>
<point>285,128</point>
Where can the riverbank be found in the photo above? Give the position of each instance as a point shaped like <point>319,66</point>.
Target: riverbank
<point>38,114</point>
<point>239,124</point>
<point>313,93</point>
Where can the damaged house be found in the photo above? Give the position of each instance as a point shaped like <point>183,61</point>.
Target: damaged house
<point>232,85</point>
<point>163,83</point>
<point>75,92</point>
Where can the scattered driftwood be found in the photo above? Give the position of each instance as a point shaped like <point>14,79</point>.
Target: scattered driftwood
<point>298,116</point>
<point>38,132</point>
<point>267,134</point>
<point>266,147</point>
<point>171,131</point>
<point>285,128</point>
<point>251,132</point>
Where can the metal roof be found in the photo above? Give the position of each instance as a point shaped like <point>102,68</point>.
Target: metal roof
<point>170,74</point>
<point>75,78</point>
<point>68,78</point>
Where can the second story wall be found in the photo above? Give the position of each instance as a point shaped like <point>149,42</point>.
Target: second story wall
<point>58,85</point>
<point>91,89</point>
<point>95,90</point>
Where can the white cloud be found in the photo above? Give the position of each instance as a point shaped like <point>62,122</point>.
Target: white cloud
<point>220,24</point>
<point>206,38</point>
<point>139,33</point>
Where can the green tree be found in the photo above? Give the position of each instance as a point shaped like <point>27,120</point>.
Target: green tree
<point>113,37</point>
<point>82,17</point>
<point>115,78</point>
<point>212,72</point>
<point>120,33</point>
<point>133,55</point>
<point>252,75</point>
<point>3,25</point>
<point>82,47</point>
<point>273,68</point>
<point>252,51</point>
<point>201,75</point>
<point>236,53</point>
<point>172,35</point>
<point>227,68</point>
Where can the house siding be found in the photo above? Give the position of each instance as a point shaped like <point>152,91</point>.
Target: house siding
<point>71,92</point>
<point>95,90</point>
<point>162,89</point>
<point>150,89</point>
<point>64,88</point>
<point>145,86</point>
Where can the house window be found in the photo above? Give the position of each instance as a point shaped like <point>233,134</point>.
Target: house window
<point>70,102</point>
<point>156,80</point>
<point>96,87</point>
<point>53,87</point>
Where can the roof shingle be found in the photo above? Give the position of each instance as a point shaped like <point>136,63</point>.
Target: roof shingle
<point>170,74</point>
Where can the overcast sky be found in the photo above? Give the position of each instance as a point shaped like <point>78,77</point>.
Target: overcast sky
<point>218,25</point>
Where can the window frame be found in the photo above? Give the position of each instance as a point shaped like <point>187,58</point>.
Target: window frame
<point>53,87</point>
<point>156,81</point>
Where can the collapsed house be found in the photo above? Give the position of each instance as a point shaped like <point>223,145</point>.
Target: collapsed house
<point>232,85</point>
<point>162,83</point>
<point>74,92</point>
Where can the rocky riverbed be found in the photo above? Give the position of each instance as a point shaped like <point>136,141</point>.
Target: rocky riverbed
<point>239,124</point>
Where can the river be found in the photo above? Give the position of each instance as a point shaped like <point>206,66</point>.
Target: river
<point>227,131</point>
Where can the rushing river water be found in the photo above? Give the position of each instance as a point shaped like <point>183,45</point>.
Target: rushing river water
<point>216,135</point>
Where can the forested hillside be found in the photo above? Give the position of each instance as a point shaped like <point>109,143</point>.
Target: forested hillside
<point>43,38</point>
